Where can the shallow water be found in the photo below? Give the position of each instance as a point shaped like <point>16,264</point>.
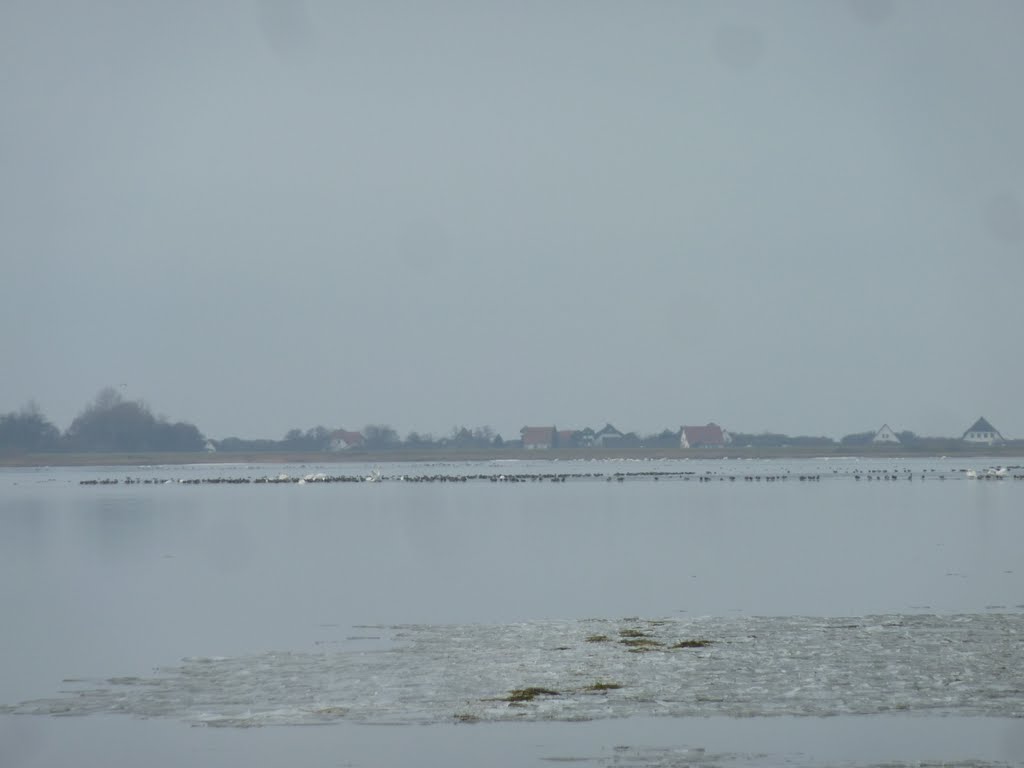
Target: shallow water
<point>875,603</point>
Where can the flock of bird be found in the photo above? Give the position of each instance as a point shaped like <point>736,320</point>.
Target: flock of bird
<point>376,476</point>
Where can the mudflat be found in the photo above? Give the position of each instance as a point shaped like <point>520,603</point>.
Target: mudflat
<point>68,459</point>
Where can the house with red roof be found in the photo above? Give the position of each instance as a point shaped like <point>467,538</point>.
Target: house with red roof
<point>709,436</point>
<point>538,438</point>
<point>343,440</point>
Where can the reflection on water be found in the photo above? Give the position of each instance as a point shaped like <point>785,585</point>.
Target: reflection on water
<point>496,586</point>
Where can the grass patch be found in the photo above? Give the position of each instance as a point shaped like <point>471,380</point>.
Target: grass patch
<point>519,695</point>
<point>632,633</point>
<point>598,638</point>
<point>331,711</point>
<point>599,686</point>
<point>641,643</point>
<point>692,644</point>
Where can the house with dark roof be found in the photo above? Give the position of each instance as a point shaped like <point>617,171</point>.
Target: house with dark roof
<point>343,440</point>
<point>565,438</point>
<point>583,438</point>
<point>538,438</point>
<point>665,439</point>
<point>885,435</point>
<point>982,432</point>
<point>607,436</point>
<point>709,436</point>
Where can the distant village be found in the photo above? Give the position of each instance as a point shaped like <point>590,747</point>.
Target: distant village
<point>707,436</point>
<point>112,424</point>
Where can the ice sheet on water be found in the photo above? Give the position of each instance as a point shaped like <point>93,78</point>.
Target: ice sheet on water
<point>593,669</point>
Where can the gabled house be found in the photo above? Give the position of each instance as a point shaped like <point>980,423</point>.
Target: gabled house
<point>709,436</point>
<point>982,432</point>
<point>885,435</point>
<point>343,440</point>
<point>583,438</point>
<point>607,436</point>
<point>665,439</point>
<point>538,438</point>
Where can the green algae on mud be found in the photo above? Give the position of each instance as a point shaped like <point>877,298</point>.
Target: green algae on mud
<point>691,644</point>
<point>633,633</point>
<point>519,695</point>
<point>600,687</point>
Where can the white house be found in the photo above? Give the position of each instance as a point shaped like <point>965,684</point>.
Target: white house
<point>982,432</point>
<point>343,440</point>
<point>885,435</point>
<point>709,436</point>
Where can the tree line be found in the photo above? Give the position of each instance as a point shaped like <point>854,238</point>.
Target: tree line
<point>108,424</point>
<point>373,437</point>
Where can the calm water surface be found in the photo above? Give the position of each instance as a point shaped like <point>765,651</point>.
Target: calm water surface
<point>852,621</point>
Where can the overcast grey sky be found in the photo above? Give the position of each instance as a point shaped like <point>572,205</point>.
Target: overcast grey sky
<point>804,217</point>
